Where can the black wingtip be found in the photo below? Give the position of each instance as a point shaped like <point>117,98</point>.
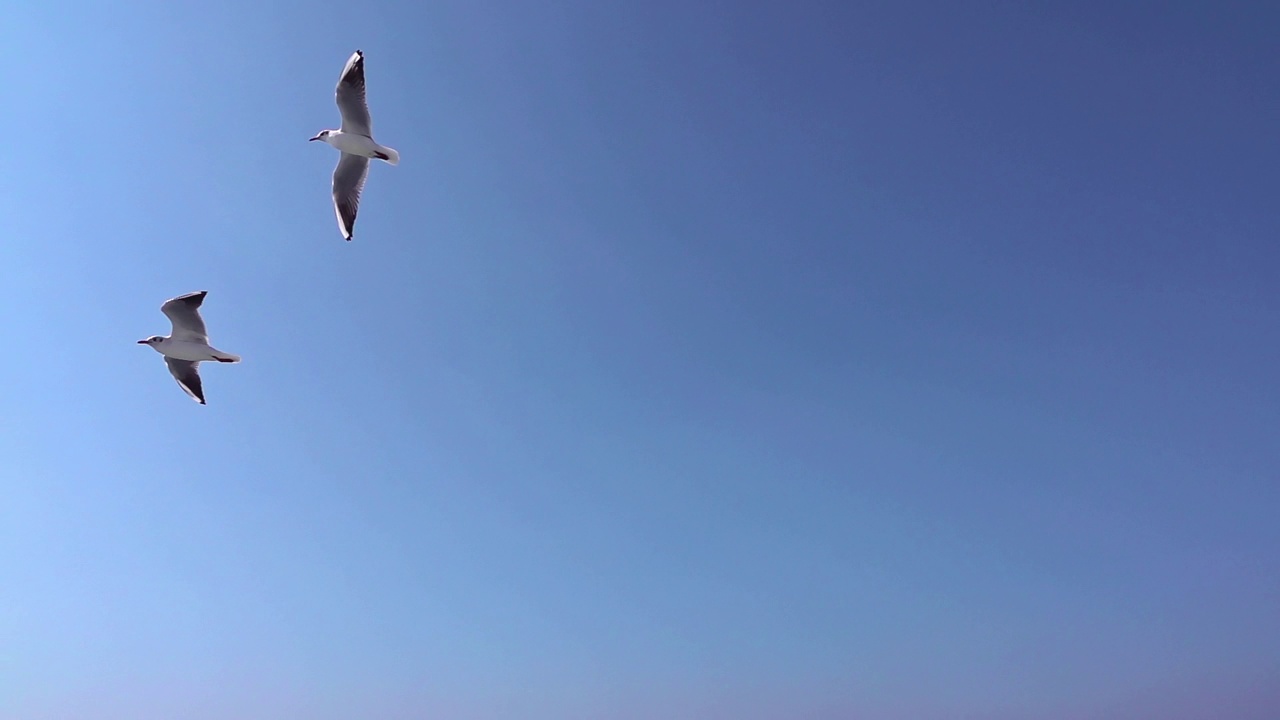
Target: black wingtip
<point>193,298</point>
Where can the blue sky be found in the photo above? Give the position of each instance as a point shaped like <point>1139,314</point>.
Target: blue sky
<point>699,360</point>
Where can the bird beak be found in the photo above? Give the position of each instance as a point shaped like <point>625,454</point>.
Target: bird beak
<point>143,342</point>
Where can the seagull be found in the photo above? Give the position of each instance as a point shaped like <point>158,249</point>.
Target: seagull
<point>189,343</point>
<point>355,140</point>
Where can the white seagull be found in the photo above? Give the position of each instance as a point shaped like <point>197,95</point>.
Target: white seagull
<point>189,343</point>
<point>355,140</point>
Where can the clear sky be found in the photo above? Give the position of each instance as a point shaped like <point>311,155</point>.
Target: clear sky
<point>878,360</point>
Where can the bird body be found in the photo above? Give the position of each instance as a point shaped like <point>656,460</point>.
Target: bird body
<point>191,351</point>
<point>360,145</point>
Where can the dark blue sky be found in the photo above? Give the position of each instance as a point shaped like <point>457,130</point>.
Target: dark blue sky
<point>830,360</point>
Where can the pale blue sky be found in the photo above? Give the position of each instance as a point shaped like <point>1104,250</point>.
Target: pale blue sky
<point>699,360</point>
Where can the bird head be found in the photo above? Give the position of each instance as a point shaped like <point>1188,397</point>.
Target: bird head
<point>152,341</point>
<point>323,134</point>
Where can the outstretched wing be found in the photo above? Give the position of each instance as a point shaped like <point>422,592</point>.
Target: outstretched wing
<point>184,312</point>
<point>188,377</point>
<point>350,98</point>
<point>348,183</point>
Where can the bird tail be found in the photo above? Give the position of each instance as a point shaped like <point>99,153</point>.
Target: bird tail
<point>225,357</point>
<point>389,154</point>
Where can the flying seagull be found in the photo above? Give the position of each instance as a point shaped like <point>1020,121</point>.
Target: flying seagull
<point>355,140</point>
<point>189,343</point>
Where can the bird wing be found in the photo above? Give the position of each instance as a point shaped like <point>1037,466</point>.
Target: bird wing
<point>184,312</point>
<point>350,98</point>
<point>348,183</point>
<point>188,377</point>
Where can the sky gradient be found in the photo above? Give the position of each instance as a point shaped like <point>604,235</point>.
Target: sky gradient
<point>879,360</point>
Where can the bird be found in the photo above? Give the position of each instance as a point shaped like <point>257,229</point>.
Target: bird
<point>355,140</point>
<point>188,345</point>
